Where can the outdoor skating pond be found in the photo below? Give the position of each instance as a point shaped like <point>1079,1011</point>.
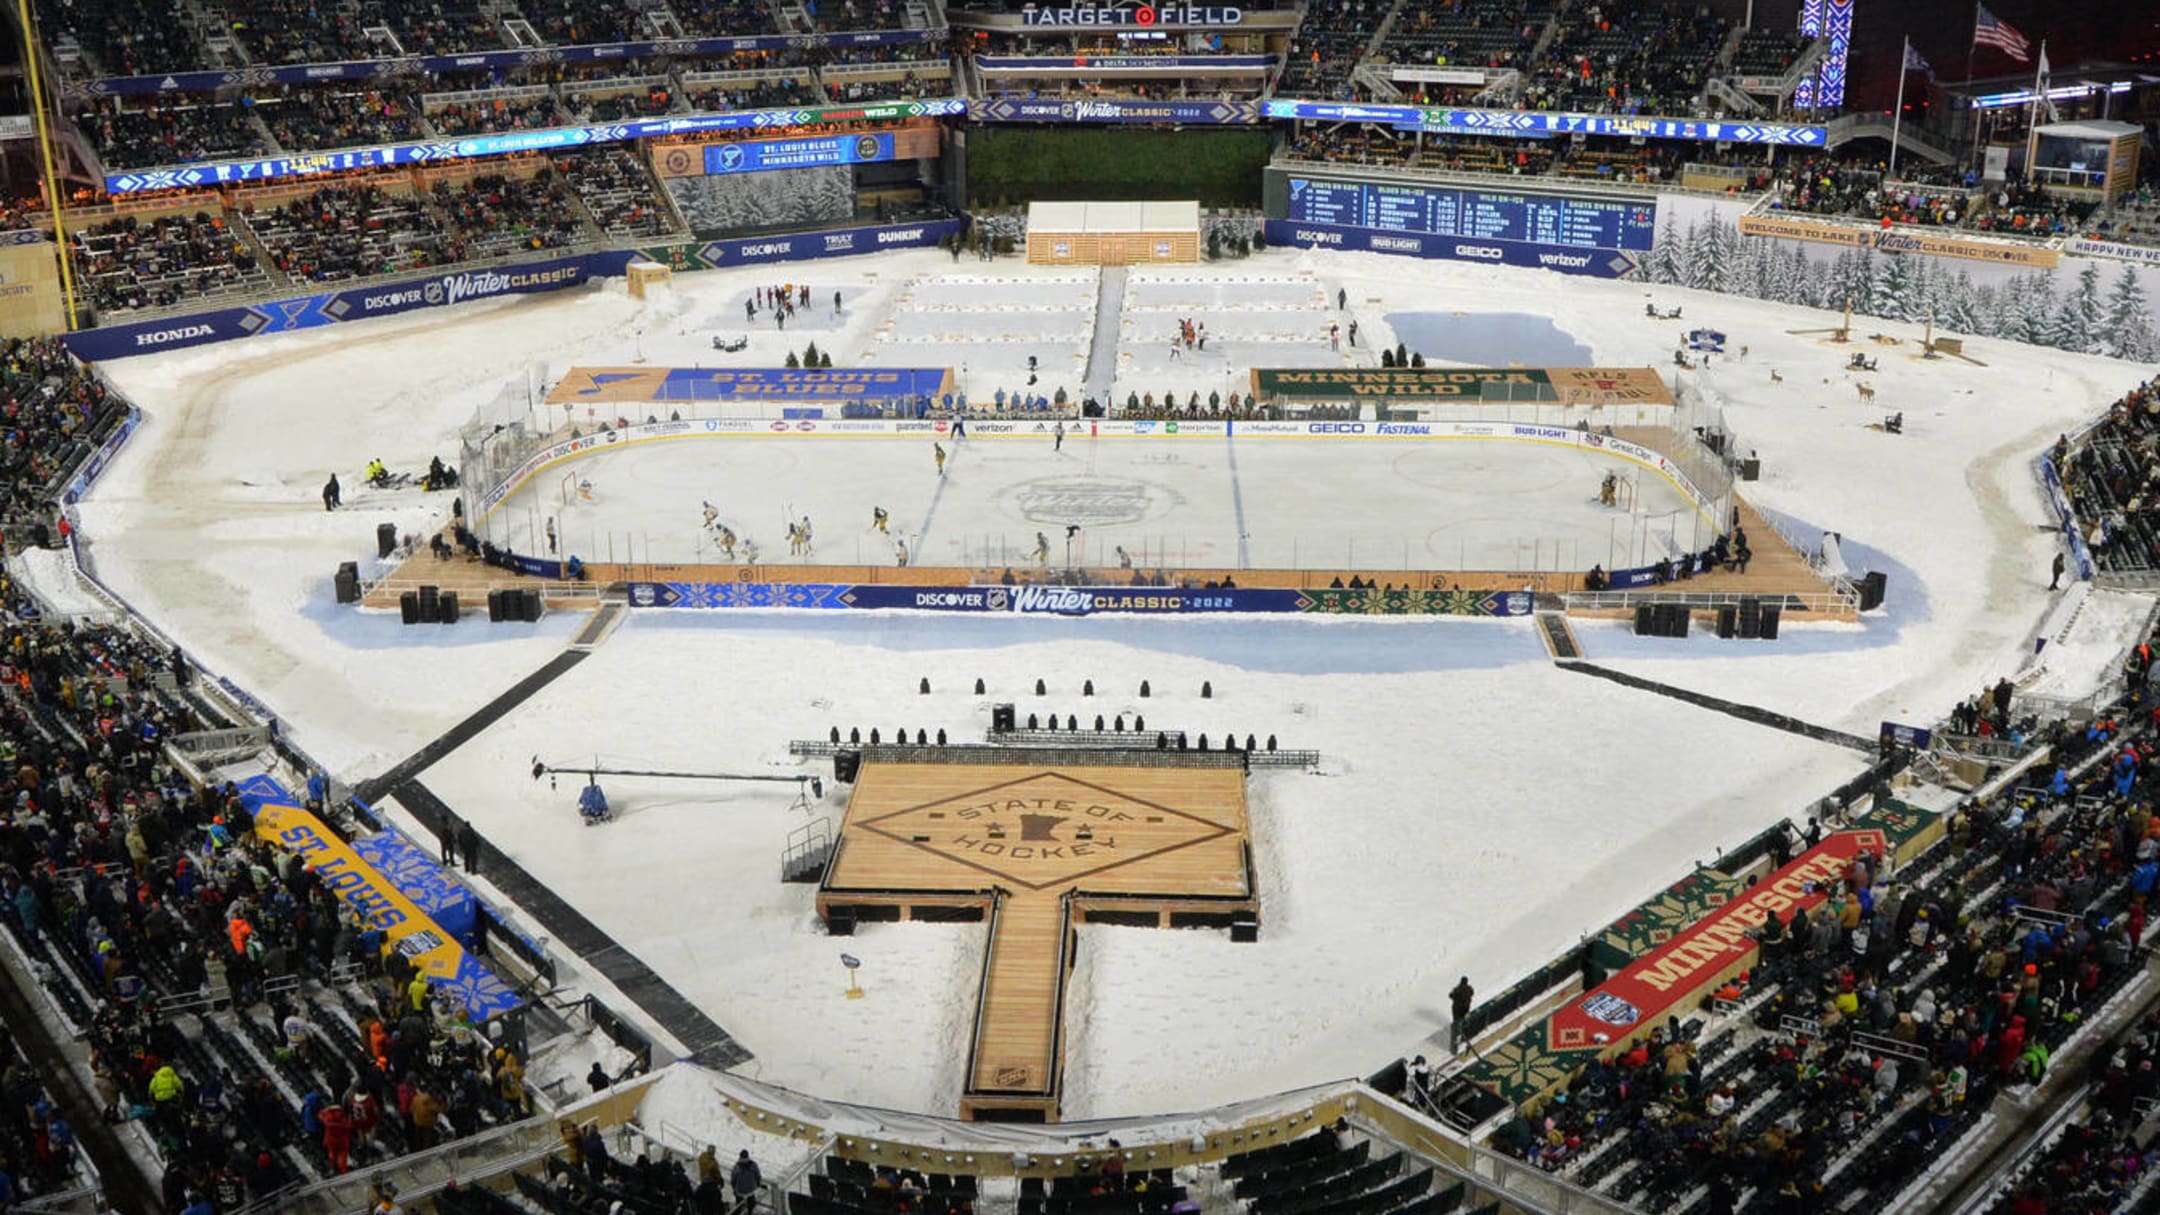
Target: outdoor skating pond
<point>1489,339</point>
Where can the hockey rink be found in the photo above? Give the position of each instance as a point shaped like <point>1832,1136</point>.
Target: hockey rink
<point>1270,502</point>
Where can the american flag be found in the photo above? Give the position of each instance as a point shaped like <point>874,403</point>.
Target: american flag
<point>1990,30</point>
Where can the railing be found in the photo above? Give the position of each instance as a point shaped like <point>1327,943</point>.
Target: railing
<point>1827,602</point>
<point>982,984</point>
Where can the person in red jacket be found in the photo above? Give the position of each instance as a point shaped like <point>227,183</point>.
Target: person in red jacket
<point>337,1132</point>
<point>2010,1045</point>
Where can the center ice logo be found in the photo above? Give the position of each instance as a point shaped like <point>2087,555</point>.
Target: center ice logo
<point>1089,501</point>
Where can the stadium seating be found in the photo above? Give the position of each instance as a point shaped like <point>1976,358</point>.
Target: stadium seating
<point>309,119</point>
<point>1477,33</point>
<point>2111,476</point>
<point>128,263</point>
<point>54,415</point>
<point>120,37</point>
<point>228,999</point>
<point>494,214</point>
<point>348,231</point>
<point>1329,43</point>
<point>181,134</point>
<point>617,191</point>
<point>1642,59</point>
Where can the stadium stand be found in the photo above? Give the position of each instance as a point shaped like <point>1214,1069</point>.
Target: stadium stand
<point>2099,1162</point>
<point>121,37</point>
<point>130,262</point>
<point>2111,476</point>
<point>180,134</point>
<point>1479,33</point>
<point>1640,60</point>
<point>310,119</point>
<point>493,113</point>
<point>612,183</point>
<point>1767,52</point>
<point>346,231</point>
<point>52,414</point>
<point>231,1004</point>
<point>492,214</point>
<point>1329,43</point>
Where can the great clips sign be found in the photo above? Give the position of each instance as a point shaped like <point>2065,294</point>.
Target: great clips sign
<point>1133,15</point>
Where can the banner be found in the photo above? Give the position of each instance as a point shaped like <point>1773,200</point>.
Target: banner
<point>654,385</point>
<point>338,307</point>
<point>1903,238</point>
<point>423,879</point>
<point>2066,519</point>
<point>1675,973</point>
<point>1634,385</point>
<point>405,927</point>
<point>1185,64</point>
<point>461,286</point>
<point>916,142</point>
<point>1218,113</point>
<point>1545,123</point>
<point>2147,254</point>
<point>544,140</point>
<point>1030,599</point>
<point>1594,263</point>
<point>361,69</point>
<point>1144,16</point>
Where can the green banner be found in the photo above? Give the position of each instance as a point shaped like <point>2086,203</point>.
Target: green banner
<point>1372,601</point>
<point>1335,385</point>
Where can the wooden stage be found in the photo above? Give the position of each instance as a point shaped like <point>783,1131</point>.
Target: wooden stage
<point>1032,850</point>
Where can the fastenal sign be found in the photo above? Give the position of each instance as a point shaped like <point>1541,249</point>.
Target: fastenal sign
<point>1134,15</point>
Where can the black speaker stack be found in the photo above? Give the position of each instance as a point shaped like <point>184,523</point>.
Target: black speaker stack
<point>385,539</point>
<point>1662,620</point>
<point>1002,718</point>
<point>846,766</point>
<point>348,582</point>
<point>428,605</point>
<point>1873,588</point>
<point>515,604</point>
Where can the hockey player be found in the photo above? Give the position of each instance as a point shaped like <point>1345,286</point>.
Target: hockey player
<point>1608,493</point>
<point>808,538</point>
<point>749,552</point>
<point>901,546</point>
<point>794,540</point>
<point>551,537</point>
<point>938,450</point>
<point>1057,441</point>
<point>712,515</point>
<point>1042,549</point>
<point>726,539</point>
<point>878,517</point>
<point>592,803</point>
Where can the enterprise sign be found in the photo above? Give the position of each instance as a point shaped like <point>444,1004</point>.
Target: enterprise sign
<point>1133,14</point>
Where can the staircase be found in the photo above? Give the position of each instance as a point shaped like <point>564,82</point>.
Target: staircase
<point>1910,137</point>
<point>809,849</point>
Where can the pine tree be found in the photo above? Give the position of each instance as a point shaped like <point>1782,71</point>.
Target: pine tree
<point>2033,309</point>
<point>1664,262</point>
<point>1958,308</point>
<point>2127,330</point>
<point>1890,289</point>
<point>2078,322</point>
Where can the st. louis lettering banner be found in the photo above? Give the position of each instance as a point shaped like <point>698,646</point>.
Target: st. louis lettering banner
<point>429,946</point>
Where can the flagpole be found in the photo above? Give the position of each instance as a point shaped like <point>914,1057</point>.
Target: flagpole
<point>1897,115</point>
<point>1972,47</point>
<point>2032,117</point>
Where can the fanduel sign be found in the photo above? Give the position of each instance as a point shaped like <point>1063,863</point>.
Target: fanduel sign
<point>1134,14</point>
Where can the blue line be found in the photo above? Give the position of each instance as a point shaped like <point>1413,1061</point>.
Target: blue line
<point>923,533</point>
<point>1237,498</point>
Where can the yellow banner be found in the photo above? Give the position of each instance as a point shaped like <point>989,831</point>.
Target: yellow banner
<point>1902,238</point>
<point>404,926</point>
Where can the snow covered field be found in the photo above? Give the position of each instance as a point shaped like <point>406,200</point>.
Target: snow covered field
<point>1478,808</point>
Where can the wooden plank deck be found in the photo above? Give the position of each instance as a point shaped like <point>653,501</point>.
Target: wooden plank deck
<point>1016,1027</point>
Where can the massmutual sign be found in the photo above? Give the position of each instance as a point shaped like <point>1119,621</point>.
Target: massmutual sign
<point>1133,15</point>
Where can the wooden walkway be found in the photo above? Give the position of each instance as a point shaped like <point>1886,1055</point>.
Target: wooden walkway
<point>1032,848</point>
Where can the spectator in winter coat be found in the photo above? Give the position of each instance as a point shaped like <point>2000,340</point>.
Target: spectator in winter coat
<point>708,1163</point>
<point>597,1077</point>
<point>744,1179</point>
<point>337,1138</point>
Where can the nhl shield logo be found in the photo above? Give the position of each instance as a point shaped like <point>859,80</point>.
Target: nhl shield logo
<point>1610,1009</point>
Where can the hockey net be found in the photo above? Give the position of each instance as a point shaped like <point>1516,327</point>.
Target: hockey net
<point>573,487</point>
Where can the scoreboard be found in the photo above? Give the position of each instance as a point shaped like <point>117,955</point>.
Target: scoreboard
<point>1567,221</point>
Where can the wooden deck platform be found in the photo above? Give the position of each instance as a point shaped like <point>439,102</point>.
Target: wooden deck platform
<point>1031,849</point>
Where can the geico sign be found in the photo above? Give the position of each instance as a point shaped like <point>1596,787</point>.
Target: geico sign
<point>1483,253</point>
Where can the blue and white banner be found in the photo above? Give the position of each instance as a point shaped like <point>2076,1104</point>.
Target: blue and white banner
<point>1212,113</point>
<point>461,286</point>
<point>765,155</point>
<point>545,140</point>
<point>478,61</point>
<point>1071,64</point>
<point>1594,263</point>
<point>1542,123</point>
<point>1021,600</point>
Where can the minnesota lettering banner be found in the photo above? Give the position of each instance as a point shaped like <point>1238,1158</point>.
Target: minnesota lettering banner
<point>405,927</point>
<point>1642,993</point>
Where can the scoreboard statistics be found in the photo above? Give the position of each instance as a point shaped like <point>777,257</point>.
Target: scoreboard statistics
<point>1570,221</point>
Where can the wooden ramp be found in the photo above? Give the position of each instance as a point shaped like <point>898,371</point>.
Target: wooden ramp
<point>1014,1067</point>
<point>1134,839</point>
